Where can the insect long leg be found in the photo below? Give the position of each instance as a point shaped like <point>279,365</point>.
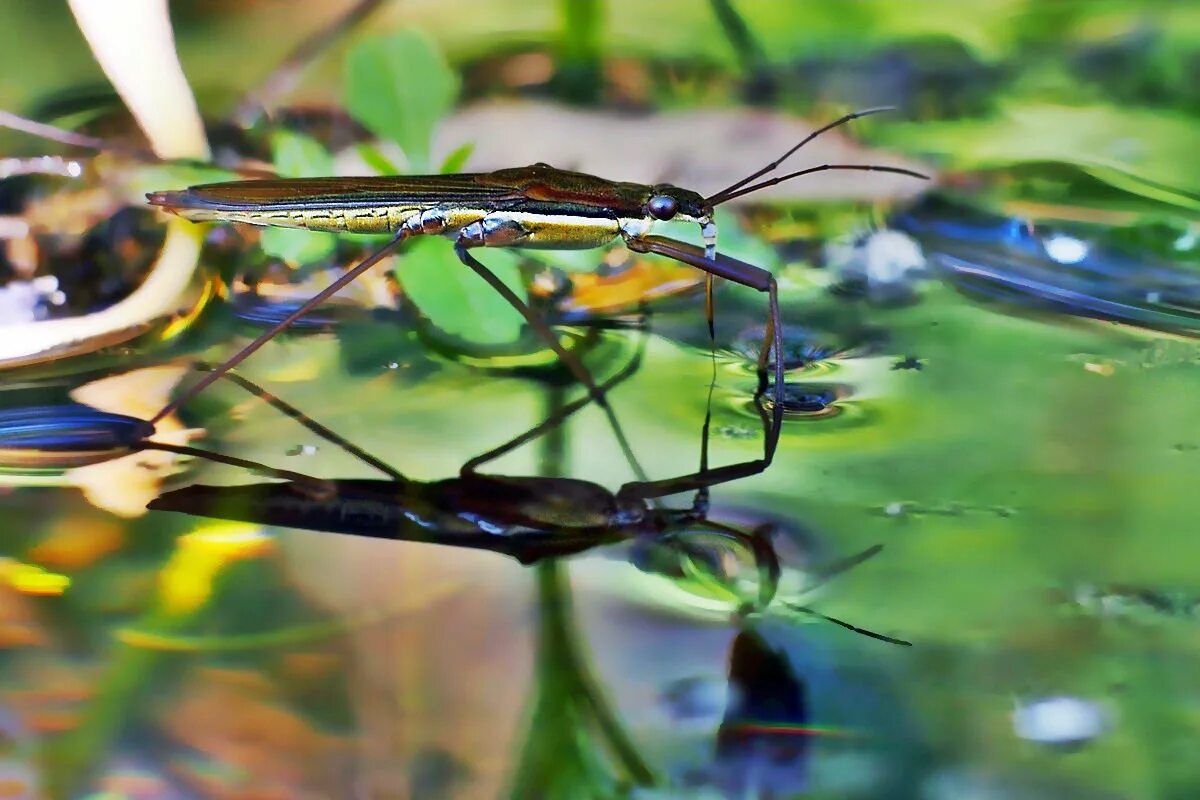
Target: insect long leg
<point>286,75</point>
<point>709,310</point>
<point>316,484</point>
<point>700,501</point>
<point>536,322</point>
<point>693,481</point>
<point>288,410</point>
<point>52,133</point>
<point>568,358</point>
<point>558,418</point>
<point>274,330</point>
<point>758,540</point>
<point>294,413</point>
<point>700,480</point>
<point>831,571</point>
<point>747,275</point>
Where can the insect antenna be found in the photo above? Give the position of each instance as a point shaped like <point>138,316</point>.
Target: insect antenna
<point>740,188</point>
<point>721,197</point>
<point>872,634</point>
<point>823,168</point>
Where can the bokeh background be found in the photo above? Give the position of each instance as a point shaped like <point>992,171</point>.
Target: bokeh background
<point>991,374</point>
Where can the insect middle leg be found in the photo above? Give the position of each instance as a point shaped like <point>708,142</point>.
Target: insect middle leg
<point>502,232</point>
<point>554,421</point>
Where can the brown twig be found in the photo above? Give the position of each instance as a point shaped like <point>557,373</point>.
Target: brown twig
<point>55,134</point>
<point>284,78</point>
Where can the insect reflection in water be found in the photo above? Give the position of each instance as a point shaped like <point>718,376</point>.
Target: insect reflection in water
<point>529,518</point>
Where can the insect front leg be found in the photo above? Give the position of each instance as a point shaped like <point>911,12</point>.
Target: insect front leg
<point>747,275</point>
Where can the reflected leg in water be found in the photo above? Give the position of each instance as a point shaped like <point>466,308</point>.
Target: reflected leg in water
<point>526,517</point>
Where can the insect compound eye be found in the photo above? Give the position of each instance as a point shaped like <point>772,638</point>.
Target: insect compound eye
<point>662,206</point>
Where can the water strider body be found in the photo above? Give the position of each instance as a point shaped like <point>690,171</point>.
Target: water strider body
<point>537,206</point>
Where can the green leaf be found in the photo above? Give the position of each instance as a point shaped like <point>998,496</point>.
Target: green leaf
<point>457,300</point>
<point>296,246</point>
<point>568,260</point>
<point>399,86</point>
<point>1148,152</point>
<point>376,160</point>
<point>298,156</point>
<point>457,159</point>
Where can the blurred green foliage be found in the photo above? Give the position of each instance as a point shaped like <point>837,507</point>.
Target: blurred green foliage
<point>455,298</point>
<point>399,86</point>
<point>1029,457</point>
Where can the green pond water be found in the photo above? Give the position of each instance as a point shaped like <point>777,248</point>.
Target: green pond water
<point>991,393</point>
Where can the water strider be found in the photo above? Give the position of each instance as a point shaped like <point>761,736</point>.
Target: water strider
<point>537,206</point>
